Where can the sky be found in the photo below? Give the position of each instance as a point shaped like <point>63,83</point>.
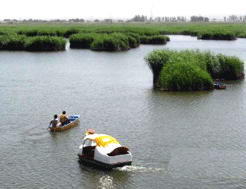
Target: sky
<point>117,9</point>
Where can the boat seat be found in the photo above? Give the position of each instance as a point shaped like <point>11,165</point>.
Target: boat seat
<point>88,151</point>
<point>119,151</point>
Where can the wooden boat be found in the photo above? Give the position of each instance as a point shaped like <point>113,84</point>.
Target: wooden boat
<point>74,121</point>
<point>103,151</point>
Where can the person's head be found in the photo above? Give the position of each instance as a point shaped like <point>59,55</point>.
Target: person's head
<point>90,132</point>
<point>55,116</point>
<point>64,112</point>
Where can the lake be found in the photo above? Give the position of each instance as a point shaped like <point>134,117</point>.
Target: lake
<point>178,139</point>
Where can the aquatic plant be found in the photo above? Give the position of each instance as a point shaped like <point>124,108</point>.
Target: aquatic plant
<point>150,29</point>
<point>216,66</point>
<point>45,43</point>
<point>156,60</point>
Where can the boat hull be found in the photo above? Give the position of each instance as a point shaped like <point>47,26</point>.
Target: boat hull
<point>94,163</point>
<point>65,127</point>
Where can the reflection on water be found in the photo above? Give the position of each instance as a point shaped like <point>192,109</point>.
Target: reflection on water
<point>106,182</point>
<point>136,169</point>
<point>178,140</point>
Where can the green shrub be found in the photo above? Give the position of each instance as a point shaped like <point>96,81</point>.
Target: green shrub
<point>45,43</point>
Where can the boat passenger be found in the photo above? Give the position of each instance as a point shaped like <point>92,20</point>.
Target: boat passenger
<point>90,132</point>
<point>64,118</point>
<point>54,122</point>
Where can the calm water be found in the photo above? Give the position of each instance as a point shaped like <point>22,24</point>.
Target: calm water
<point>178,140</point>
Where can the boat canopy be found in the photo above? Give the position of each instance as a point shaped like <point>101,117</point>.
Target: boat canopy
<point>102,140</point>
<point>105,140</point>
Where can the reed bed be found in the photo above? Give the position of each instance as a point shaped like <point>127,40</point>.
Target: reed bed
<point>184,76</point>
<point>147,29</point>
<point>170,71</point>
<point>216,36</point>
<point>12,42</point>
<point>45,43</point>
<point>154,40</point>
<point>145,33</point>
<point>82,40</point>
<point>110,42</point>
<point>104,42</point>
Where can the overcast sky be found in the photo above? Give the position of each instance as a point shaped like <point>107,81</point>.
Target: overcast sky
<point>90,9</point>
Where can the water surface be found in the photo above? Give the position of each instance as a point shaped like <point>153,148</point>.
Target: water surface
<point>178,140</point>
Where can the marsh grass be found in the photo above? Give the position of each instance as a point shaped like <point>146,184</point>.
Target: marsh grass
<point>82,40</point>
<point>110,42</point>
<point>12,42</point>
<point>45,43</point>
<point>104,42</point>
<point>216,36</point>
<point>184,76</point>
<point>154,40</point>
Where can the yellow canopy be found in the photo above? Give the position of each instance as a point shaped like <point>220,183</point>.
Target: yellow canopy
<point>105,140</point>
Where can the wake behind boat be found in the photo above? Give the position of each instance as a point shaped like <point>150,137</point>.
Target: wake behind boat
<point>103,151</point>
<point>73,122</point>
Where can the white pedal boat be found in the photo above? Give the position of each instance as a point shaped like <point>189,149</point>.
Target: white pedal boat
<point>103,151</point>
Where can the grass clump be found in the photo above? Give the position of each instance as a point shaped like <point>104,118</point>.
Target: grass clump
<point>192,69</point>
<point>156,39</point>
<point>45,43</point>
<point>110,42</point>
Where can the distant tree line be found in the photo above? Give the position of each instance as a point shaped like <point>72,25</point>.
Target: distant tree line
<point>142,18</point>
<point>199,19</point>
<point>139,18</point>
<point>235,18</point>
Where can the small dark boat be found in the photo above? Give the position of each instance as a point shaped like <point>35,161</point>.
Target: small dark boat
<point>219,86</point>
